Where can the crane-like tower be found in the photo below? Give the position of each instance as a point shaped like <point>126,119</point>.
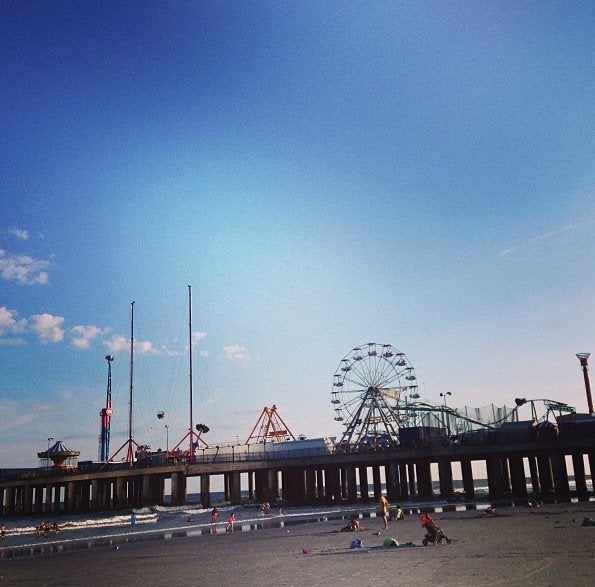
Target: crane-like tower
<point>106,415</point>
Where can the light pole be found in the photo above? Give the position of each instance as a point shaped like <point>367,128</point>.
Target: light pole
<point>167,439</point>
<point>50,438</point>
<point>584,360</point>
<point>446,418</point>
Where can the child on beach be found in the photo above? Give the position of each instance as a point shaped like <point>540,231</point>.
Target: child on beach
<point>214,515</point>
<point>353,526</point>
<point>230,521</point>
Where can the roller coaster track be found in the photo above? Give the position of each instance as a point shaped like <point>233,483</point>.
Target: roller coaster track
<point>443,414</point>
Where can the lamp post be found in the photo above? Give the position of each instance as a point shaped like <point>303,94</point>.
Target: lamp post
<point>167,440</point>
<point>446,418</point>
<point>584,360</point>
<point>444,395</point>
<point>50,438</point>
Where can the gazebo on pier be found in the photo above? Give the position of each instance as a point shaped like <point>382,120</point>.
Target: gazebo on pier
<point>61,457</point>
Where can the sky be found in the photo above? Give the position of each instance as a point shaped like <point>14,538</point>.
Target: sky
<point>324,174</point>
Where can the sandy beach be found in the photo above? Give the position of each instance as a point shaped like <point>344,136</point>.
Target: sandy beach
<point>518,546</point>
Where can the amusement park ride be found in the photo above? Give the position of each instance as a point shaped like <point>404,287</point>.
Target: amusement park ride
<point>375,397</point>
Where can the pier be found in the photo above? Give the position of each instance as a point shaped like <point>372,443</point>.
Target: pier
<point>517,472</point>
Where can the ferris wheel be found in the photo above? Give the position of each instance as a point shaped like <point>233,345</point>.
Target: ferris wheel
<point>367,387</point>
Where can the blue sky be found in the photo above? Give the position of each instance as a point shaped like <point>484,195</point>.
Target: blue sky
<point>324,174</point>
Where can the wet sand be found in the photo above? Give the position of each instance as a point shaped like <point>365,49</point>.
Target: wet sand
<point>517,547</point>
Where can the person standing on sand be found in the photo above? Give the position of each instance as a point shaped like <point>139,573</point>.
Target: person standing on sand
<point>383,504</point>
<point>230,521</point>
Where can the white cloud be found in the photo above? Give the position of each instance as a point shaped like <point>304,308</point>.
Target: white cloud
<point>23,269</point>
<point>9,324</point>
<point>19,233</point>
<point>118,343</point>
<point>235,352</point>
<point>49,328</point>
<point>197,337</point>
<point>83,335</point>
<point>145,347</point>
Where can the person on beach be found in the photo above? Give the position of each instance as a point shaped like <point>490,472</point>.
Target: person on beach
<point>353,526</point>
<point>383,505</point>
<point>427,522</point>
<point>214,515</point>
<point>230,521</point>
<point>2,530</point>
<point>399,513</point>
<point>265,508</point>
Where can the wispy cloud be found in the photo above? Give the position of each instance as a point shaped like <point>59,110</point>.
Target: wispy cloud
<point>83,335</point>
<point>49,328</point>
<point>236,352</point>
<point>23,268</point>
<point>19,233</point>
<point>547,236</point>
<point>118,343</point>
<point>11,327</point>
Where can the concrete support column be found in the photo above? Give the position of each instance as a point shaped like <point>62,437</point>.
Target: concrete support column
<point>38,499</point>
<point>518,479</point>
<point>403,482</point>
<point>70,505</point>
<point>20,500</point>
<point>295,484</point>
<point>578,465</point>
<point>391,470</point>
<point>411,477</point>
<point>561,486</point>
<point>534,472</point>
<point>546,478</point>
<point>9,502</point>
<point>178,488</point>
<point>235,488</point>
<point>445,478</point>
<point>351,475</point>
<point>320,484</point>
<point>96,501</point>
<point>147,491</point>
<point>363,483</point>
<point>120,500</point>
<point>333,484</point>
<point>49,499</point>
<point>424,480</point>
<point>310,485</point>
<point>506,483</point>
<point>376,480</point>
<point>251,484</point>
<point>205,491</point>
<point>262,490</point>
<point>467,474</point>
<point>28,500</point>
<point>495,478</point>
<point>79,504</point>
